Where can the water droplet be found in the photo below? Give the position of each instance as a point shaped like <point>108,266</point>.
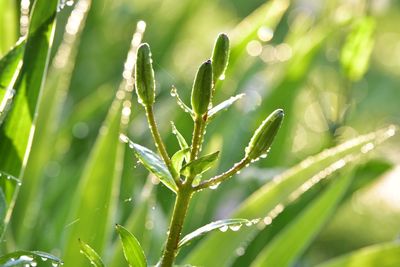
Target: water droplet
<point>54,264</point>
<point>45,259</point>
<point>235,227</point>
<point>33,263</point>
<point>240,251</point>
<point>215,186</point>
<point>224,228</point>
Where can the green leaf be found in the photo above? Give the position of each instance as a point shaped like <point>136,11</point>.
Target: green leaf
<point>17,130</point>
<point>10,66</point>
<point>357,50</point>
<point>223,106</point>
<point>95,195</point>
<point>177,158</point>
<point>223,225</point>
<point>8,24</point>
<point>382,255</point>
<point>132,250</point>
<point>179,101</point>
<point>181,140</point>
<point>21,258</point>
<point>200,165</point>
<point>283,189</point>
<point>304,227</point>
<point>153,163</point>
<point>90,254</point>
<point>8,185</point>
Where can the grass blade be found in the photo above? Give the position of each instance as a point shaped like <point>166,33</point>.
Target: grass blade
<point>18,128</point>
<point>382,255</point>
<point>283,189</point>
<point>304,227</point>
<point>132,250</point>
<point>95,198</point>
<point>90,254</point>
<point>222,225</point>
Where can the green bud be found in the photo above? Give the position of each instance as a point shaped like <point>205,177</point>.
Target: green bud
<point>220,56</point>
<point>144,81</point>
<point>264,135</point>
<point>202,86</point>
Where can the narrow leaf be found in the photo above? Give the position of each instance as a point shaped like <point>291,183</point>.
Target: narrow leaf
<point>132,250</point>
<point>284,189</point>
<point>200,165</point>
<point>177,158</point>
<point>223,106</point>
<point>179,101</point>
<point>304,227</point>
<point>20,258</point>
<point>153,163</point>
<point>181,140</point>
<point>382,255</point>
<point>90,254</point>
<point>223,225</point>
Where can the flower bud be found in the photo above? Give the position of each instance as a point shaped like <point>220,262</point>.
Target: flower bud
<point>202,86</point>
<point>220,56</point>
<point>264,135</point>
<point>144,80</point>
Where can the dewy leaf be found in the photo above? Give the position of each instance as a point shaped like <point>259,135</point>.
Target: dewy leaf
<point>223,106</point>
<point>382,255</point>
<point>177,158</point>
<point>304,227</point>
<point>17,130</point>
<point>95,195</point>
<point>179,101</point>
<point>133,252</point>
<point>21,258</point>
<point>200,165</point>
<point>181,140</point>
<point>283,189</point>
<point>10,66</point>
<point>357,50</point>
<point>152,162</point>
<point>223,225</point>
<point>90,254</point>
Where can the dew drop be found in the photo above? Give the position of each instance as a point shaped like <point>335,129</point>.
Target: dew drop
<point>224,228</point>
<point>215,186</point>
<point>235,227</point>
<point>45,259</point>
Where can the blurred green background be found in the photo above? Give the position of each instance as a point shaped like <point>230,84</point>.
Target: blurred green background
<point>286,56</point>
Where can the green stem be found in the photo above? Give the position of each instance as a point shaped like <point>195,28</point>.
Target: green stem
<point>200,123</point>
<point>175,229</point>
<point>223,176</point>
<point>159,143</point>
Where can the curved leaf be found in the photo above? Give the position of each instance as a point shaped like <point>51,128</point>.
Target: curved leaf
<point>382,255</point>
<point>20,258</point>
<point>90,254</point>
<point>152,162</point>
<point>132,250</point>
<point>200,165</point>
<point>284,189</point>
<point>181,140</point>
<point>177,158</point>
<point>223,225</point>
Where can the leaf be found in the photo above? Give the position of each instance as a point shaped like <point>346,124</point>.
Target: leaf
<point>153,163</point>
<point>8,185</point>
<point>200,165</point>
<point>181,140</point>
<point>223,106</point>
<point>21,258</point>
<point>304,227</point>
<point>357,50</point>
<point>179,101</point>
<point>90,254</point>
<point>95,196</point>
<point>382,255</point>
<point>284,189</point>
<point>10,66</point>
<point>132,250</point>
<point>223,225</point>
<point>17,130</point>
<point>177,158</point>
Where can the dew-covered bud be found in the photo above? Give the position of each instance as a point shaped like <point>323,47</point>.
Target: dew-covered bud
<point>264,135</point>
<point>202,86</point>
<point>144,80</point>
<point>220,56</point>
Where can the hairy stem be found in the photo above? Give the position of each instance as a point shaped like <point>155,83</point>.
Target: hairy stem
<point>159,143</point>
<point>175,228</point>
<point>223,176</point>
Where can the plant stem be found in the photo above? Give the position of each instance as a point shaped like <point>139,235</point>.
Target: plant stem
<point>159,143</point>
<point>197,137</point>
<point>223,176</point>
<point>175,228</point>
